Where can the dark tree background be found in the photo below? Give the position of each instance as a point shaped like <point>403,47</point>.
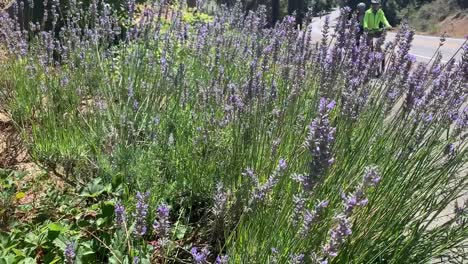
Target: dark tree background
<point>297,7</point>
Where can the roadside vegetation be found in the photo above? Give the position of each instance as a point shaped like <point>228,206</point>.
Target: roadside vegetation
<point>167,135</point>
<point>439,17</point>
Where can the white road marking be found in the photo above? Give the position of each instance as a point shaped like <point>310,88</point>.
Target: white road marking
<point>461,40</point>
<point>425,57</point>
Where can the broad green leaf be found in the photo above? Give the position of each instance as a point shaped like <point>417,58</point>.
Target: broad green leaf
<point>56,227</point>
<point>18,252</point>
<point>31,238</point>
<point>180,231</point>
<point>93,189</point>
<point>8,259</point>
<point>107,209</point>
<point>27,260</point>
<point>60,242</point>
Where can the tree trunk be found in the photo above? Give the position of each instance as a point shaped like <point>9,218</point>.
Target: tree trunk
<point>297,6</point>
<point>275,11</point>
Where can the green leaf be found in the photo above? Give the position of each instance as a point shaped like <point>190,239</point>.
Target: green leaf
<point>18,252</point>
<point>180,231</point>
<point>145,261</point>
<point>31,238</point>
<point>85,253</point>
<point>93,189</point>
<point>101,221</point>
<point>107,209</point>
<point>57,227</point>
<point>56,260</point>
<point>28,260</point>
<point>8,259</point>
<point>60,242</point>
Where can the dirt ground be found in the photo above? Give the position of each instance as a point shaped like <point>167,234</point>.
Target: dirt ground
<point>12,151</point>
<point>455,26</point>
<point>14,156</point>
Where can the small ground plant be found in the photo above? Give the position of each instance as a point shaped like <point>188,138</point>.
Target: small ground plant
<point>186,138</point>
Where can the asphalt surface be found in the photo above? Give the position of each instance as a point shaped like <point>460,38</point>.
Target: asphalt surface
<point>423,47</point>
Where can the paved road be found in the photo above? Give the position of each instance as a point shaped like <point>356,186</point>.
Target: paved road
<point>423,47</point>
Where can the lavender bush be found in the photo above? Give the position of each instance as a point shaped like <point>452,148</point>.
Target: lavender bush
<point>177,106</point>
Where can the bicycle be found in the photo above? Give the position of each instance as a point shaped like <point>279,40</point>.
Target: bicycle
<point>372,35</point>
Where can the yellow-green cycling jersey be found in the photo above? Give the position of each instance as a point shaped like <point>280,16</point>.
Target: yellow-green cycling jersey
<point>372,20</point>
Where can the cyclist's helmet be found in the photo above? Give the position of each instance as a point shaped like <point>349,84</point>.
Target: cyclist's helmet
<point>361,6</point>
<point>375,2</point>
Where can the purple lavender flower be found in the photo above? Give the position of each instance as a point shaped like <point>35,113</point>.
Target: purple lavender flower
<point>136,105</point>
<point>222,259</point>
<point>70,253</point>
<point>310,217</point>
<point>251,175</point>
<point>415,88</point>
<point>199,256</point>
<point>297,259</point>
<point>130,92</point>
<point>371,176</point>
<point>261,191</point>
<point>162,225</point>
<point>343,228</point>
<point>119,211</point>
<point>320,141</point>
<point>141,211</point>
<point>450,150</point>
<point>353,200</point>
<point>461,124</point>
<point>220,200</point>
<point>338,235</point>
<point>298,211</point>
<point>370,179</point>
<point>282,165</point>
<point>274,146</point>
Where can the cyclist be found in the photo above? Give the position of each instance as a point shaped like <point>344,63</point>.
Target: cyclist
<point>360,13</point>
<point>374,19</point>
<point>374,24</point>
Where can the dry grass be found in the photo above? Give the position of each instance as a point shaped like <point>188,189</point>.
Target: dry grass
<point>455,26</point>
<point>438,17</point>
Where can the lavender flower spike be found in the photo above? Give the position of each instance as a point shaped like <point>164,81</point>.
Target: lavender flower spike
<point>162,225</point>
<point>119,211</point>
<point>222,259</point>
<point>319,142</point>
<point>140,214</point>
<point>338,236</point>
<point>343,228</point>
<point>297,259</point>
<point>261,191</point>
<point>70,253</point>
<point>311,217</point>
<point>371,176</point>
<point>220,200</point>
<point>199,256</point>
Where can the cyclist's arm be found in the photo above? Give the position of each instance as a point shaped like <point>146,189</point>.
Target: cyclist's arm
<point>364,22</point>
<point>385,21</point>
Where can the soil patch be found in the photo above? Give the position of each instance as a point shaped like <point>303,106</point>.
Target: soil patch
<point>33,186</point>
<point>455,26</point>
<point>12,150</point>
